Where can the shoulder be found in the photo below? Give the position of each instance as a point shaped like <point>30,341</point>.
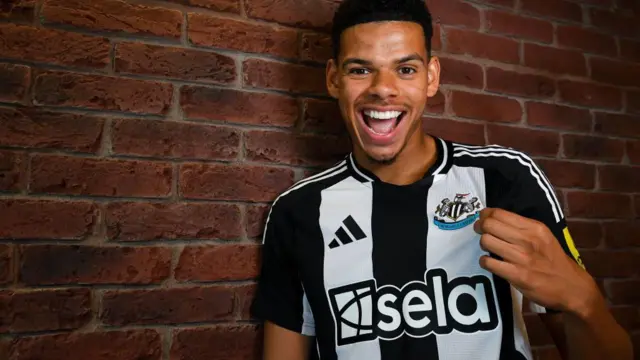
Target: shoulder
<point>298,195</point>
<point>505,161</point>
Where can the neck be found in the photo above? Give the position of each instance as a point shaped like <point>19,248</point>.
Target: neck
<point>413,161</point>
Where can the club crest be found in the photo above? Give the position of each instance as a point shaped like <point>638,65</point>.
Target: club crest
<point>456,214</point>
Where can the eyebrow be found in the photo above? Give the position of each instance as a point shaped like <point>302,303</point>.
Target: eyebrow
<point>405,59</point>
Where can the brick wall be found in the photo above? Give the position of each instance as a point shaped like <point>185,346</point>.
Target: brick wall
<point>142,141</point>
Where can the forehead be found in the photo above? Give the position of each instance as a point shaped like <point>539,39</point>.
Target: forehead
<point>389,38</point>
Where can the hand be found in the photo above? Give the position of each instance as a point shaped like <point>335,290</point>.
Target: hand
<point>533,261</point>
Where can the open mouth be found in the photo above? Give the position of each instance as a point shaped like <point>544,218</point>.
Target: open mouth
<point>382,122</point>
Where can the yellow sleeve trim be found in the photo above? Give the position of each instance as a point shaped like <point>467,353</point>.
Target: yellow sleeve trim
<point>572,246</point>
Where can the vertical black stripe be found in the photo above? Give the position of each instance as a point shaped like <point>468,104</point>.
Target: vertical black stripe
<point>399,227</point>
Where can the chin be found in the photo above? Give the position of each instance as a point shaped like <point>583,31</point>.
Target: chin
<point>381,156</point>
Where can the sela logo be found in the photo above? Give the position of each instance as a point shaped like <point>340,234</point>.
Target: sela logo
<point>364,313</point>
<point>456,214</point>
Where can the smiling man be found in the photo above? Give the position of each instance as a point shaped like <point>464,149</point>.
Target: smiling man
<point>416,247</point>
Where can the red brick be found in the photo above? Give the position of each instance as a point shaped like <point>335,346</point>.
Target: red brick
<point>244,299</point>
<point>617,23</point>
<point>287,77</point>
<point>53,46</point>
<point>587,40</point>
<point>436,104</point>
<point>538,334</point>
<point>628,5</point>
<point>599,205</point>
<point>617,124</point>
<point>167,306</point>
<point>569,174</point>
<point>534,142</point>
<point>619,73</point>
<point>218,263</point>
<point>589,94</point>
<point>633,102</point>
<point>585,234</point>
<point>235,183</point>
<point>294,149</point>
<point>630,50</point>
<point>635,339</point>
<point>313,14</point>
<point>46,219</point>
<point>627,316</point>
<point>174,63</point>
<point>558,117</point>
<point>454,130</point>
<point>461,73</point>
<point>619,178</point>
<point>15,82</point>
<point>210,31</point>
<point>485,107</point>
<point>484,46</point>
<point>217,342</point>
<point>558,9</point>
<point>31,128</point>
<point>503,3</point>
<point>586,147</point>
<point>44,310</point>
<point>238,106</point>
<point>316,47</point>
<point>506,23</point>
<point>149,221</point>
<point>114,15</point>
<point>256,218</point>
<point>624,292</point>
<point>175,140</point>
<point>12,171</point>
<point>6,264</point>
<point>611,264</point>
<point>436,39</point>
<point>99,177</point>
<point>130,345</point>
<point>558,61</point>
<point>515,83</point>
<point>231,6</point>
<point>62,264</point>
<point>454,12</point>
<point>622,234</point>
<point>633,151</point>
<point>18,10</point>
<point>103,92</point>
<point>322,116</point>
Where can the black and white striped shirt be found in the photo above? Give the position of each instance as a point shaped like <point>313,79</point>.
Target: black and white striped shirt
<point>378,271</point>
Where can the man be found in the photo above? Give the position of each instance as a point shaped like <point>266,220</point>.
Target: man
<point>414,247</point>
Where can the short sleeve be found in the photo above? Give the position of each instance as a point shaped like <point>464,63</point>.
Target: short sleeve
<point>535,198</point>
<point>280,296</point>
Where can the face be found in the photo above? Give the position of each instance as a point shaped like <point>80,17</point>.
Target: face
<point>382,80</point>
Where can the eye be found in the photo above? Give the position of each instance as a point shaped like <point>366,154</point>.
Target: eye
<point>405,70</point>
<point>358,71</point>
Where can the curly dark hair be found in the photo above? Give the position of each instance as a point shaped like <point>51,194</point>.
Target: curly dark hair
<point>354,12</point>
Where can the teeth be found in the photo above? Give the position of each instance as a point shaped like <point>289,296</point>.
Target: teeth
<point>382,115</point>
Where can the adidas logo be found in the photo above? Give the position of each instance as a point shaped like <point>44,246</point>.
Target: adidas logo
<point>352,233</point>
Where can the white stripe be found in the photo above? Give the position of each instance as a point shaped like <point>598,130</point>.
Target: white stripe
<point>324,172</point>
<point>533,170</point>
<point>534,167</point>
<point>308,322</point>
<point>444,157</point>
<point>353,164</point>
<point>341,167</point>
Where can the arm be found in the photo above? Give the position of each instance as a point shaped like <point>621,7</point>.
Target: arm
<point>283,344</point>
<point>280,300</point>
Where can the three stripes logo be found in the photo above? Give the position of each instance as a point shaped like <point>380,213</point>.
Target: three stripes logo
<point>347,233</point>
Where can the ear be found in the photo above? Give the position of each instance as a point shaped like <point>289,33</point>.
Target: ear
<point>332,78</point>
<point>433,72</point>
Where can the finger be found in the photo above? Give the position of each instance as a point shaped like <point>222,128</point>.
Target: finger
<point>512,219</point>
<point>505,270</point>
<point>503,231</point>
<point>507,251</point>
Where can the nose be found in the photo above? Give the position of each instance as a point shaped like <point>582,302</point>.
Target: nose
<point>384,85</point>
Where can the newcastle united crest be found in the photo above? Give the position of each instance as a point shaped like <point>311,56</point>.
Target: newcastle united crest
<point>456,214</point>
